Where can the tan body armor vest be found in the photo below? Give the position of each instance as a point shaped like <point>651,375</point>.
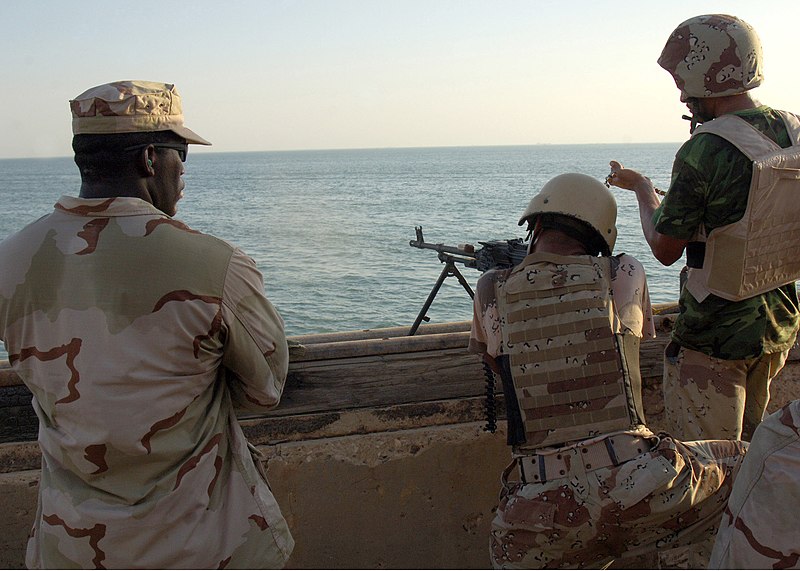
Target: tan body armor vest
<point>575,374</point>
<point>759,252</point>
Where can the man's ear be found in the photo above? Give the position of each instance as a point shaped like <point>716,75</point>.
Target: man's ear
<point>147,160</point>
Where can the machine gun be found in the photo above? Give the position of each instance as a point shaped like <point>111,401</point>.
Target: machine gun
<point>495,254</point>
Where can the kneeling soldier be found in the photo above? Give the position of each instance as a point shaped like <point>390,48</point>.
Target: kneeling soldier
<point>562,329</point>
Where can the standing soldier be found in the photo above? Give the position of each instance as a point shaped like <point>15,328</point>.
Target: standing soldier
<point>732,207</point>
<point>562,329</point>
<point>138,336</point>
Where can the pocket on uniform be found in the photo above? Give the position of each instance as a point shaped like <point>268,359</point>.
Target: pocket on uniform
<point>258,462</point>
<point>641,477</point>
<point>533,514</point>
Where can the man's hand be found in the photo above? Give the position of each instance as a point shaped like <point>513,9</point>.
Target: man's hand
<point>629,179</point>
<point>666,249</point>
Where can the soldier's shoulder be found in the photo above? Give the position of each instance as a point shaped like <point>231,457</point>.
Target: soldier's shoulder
<point>192,234</point>
<point>494,275</point>
<point>626,267</point>
<point>24,236</point>
<point>624,258</point>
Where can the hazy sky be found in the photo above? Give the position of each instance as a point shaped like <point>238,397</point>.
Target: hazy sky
<point>320,74</point>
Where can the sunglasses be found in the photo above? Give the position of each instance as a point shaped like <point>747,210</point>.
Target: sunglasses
<point>182,148</point>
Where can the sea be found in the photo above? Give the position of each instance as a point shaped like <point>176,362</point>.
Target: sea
<point>330,229</point>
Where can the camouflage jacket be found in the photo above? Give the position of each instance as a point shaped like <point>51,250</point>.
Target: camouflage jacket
<point>137,337</point>
<point>709,188</point>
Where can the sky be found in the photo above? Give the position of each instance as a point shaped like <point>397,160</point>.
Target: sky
<point>275,75</point>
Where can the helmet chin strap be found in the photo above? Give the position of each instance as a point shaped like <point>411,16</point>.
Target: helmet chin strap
<point>534,230</point>
<point>701,109</point>
<point>694,121</point>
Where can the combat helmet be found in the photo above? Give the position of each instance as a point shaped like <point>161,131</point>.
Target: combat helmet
<point>579,205</point>
<point>713,55</point>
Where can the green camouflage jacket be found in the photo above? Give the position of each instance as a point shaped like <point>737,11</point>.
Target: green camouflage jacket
<point>710,185</point>
<point>137,337</point>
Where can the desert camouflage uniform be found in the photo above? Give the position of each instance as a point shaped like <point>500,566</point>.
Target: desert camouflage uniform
<point>718,381</point>
<point>760,526</point>
<point>666,496</point>
<point>137,337</point>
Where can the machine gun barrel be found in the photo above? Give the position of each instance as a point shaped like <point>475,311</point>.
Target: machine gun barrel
<point>467,251</point>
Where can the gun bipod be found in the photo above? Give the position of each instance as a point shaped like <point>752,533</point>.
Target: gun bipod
<point>450,270</point>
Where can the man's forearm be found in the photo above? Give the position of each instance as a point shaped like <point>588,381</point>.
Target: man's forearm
<point>666,249</point>
<point>648,203</point>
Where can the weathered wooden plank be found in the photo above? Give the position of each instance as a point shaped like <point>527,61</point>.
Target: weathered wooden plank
<point>380,380</point>
<point>381,333</point>
<point>342,350</point>
<point>344,372</point>
<point>273,430</point>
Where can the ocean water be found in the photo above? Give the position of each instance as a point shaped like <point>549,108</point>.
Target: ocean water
<point>330,230</point>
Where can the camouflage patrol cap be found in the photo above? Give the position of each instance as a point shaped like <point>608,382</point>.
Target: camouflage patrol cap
<point>130,107</point>
<point>713,55</point>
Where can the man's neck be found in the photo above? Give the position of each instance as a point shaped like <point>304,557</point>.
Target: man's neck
<point>732,103</point>
<point>557,242</point>
<point>114,189</point>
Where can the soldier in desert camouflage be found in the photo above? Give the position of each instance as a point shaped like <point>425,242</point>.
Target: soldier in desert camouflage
<point>732,207</point>
<point>759,528</point>
<point>138,336</point>
<point>562,329</point>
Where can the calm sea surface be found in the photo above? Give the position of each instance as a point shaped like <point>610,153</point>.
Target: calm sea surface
<point>330,229</point>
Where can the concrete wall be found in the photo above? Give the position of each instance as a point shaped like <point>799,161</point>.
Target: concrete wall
<point>413,499</point>
<point>408,499</point>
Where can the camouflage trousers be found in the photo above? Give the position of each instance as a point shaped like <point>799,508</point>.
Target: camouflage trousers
<point>759,528</point>
<point>710,398</point>
<point>667,499</point>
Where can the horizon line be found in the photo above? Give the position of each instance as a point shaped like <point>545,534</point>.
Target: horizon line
<point>201,149</point>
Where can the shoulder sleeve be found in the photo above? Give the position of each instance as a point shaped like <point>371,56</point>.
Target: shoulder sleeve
<point>632,298</point>
<point>256,355</point>
<point>485,336</point>
<point>477,335</point>
<point>709,189</point>
<point>680,214</point>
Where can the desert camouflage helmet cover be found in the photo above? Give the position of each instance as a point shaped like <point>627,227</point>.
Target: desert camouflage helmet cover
<point>131,107</point>
<point>713,55</point>
<point>581,197</point>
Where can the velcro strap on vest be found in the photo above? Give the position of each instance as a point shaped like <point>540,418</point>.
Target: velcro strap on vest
<point>590,373</point>
<point>599,323</point>
<point>545,293</point>
<point>564,352</point>
<point>536,312</point>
